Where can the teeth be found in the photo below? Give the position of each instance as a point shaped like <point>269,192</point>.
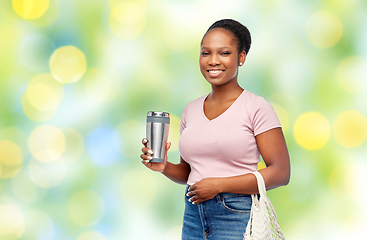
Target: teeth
<point>215,71</point>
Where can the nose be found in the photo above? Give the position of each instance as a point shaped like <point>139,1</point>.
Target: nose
<point>214,60</point>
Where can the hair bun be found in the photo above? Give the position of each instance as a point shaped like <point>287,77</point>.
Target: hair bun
<point>241,33</point>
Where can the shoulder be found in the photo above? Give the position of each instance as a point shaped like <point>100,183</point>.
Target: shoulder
<point>194,104</point>
<point>254,102</point>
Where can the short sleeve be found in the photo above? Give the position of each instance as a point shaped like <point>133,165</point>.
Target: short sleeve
<point>183,118</point>
<point>263,116</point>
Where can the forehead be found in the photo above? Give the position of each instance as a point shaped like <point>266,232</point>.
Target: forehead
<point>218,37</point>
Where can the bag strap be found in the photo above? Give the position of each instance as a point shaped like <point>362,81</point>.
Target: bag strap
<point>260,183</point>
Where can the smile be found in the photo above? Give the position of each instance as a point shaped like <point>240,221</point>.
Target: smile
<point>215,71</point>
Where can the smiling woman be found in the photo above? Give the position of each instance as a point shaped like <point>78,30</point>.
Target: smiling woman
<point>219,58</point>
<point>223,135</point>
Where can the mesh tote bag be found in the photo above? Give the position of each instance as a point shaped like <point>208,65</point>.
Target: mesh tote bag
<point>263,223</point>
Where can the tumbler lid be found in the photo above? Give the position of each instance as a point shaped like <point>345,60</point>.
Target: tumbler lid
<point>158,114</point>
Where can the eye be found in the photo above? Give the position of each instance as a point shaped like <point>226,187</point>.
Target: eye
<point>225,53</point>
<point>204,53</point>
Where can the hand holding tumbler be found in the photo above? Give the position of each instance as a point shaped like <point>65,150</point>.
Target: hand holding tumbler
<point>157,134</point>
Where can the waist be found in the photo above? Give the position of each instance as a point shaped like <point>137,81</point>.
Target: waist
<point>222,196</point>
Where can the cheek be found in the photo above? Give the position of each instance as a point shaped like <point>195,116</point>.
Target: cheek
<point>232,67</point>
<point>232,63</point>
<point>202,64</point>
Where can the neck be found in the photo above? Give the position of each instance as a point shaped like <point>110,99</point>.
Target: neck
<point>225,92</point>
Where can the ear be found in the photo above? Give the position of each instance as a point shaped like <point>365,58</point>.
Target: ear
<point>242,58</point>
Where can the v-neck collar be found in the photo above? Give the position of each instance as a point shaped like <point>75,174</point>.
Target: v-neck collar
<point>223,113</point>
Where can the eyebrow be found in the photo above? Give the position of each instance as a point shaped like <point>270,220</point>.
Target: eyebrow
<point>219,48</point>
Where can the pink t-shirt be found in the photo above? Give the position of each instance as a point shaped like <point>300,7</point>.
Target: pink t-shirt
<point>224,146</point>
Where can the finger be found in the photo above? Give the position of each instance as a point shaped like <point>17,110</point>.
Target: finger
<point>146,158</point>
<point>168,145</point>
<point>191,193</point>
<point>146,150</point>
<point>194,201</point>
<point>191,188</point>
<point>145,141</point>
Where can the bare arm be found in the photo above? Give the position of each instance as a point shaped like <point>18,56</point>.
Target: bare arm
<point>274,151</point>
<point>178,173</point>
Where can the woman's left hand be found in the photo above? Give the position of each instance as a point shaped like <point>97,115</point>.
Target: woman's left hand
<point>203,190</point>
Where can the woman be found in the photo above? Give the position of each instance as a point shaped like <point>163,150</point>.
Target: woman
<point>222,136</point>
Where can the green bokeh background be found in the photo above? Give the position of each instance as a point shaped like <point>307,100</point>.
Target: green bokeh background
<point>99,186</point>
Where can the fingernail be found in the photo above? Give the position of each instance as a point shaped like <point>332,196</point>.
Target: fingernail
<point>146,161</point>
<point>190,200</point>
<point>193,203</point>
<point>150,151</point>
<point>145,140</point>
<point>149,157</point>
<point>187,194</point>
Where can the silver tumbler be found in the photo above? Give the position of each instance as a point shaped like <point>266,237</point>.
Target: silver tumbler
<point>157,134</point>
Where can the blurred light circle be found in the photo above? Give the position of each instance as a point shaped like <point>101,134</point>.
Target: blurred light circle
<point>68,64</point>
<point>17,136</point>
<point>174,132</point>
<point>46,175</point>
<point>39,226</point>
<point>91,235</point>
<point>38,96</point>
<point>34,51</point>
<point>42,97</point>
<point>350,129</point>
<point>10,153</point>
<point>311,130</point>
<point>47,143</point>
<point>50,16</point>
<point>138,188</point>
<point>342,183</point>
<point>351,74</point>
<point>127,19</point>
<point>11,222</point>
<point>9,171</point>
<point>282,115</point>
<point>86,208</point>
<point>33,113</point>
<point>74,147</point>
<point>11,159</point>
<point>126,135</point>
<point>100,147</point>
<point>25,189</point>
<point>30,9</point>
<point>324,29</point>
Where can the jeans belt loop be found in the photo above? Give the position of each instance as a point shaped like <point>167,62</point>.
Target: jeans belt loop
<point>219,198</point>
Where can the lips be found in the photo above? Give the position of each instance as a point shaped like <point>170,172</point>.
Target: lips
<point>215,72</point>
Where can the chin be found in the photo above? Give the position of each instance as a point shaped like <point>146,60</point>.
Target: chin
<point>217,83</point>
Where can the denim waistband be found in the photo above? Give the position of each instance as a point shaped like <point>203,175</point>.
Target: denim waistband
<point>221,196</point>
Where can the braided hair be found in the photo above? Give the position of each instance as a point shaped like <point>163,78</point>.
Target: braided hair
<point>240,32</point>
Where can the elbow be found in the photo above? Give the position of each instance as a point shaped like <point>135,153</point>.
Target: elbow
<point>286,178</point>
<point>285,172</point>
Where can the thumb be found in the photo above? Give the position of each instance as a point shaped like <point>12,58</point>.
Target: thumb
<point>168,145</point>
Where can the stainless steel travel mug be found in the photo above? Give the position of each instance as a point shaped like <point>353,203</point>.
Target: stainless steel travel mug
<point>157,134</point>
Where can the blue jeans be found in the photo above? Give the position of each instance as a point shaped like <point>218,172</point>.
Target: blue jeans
<point>223,217</point>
